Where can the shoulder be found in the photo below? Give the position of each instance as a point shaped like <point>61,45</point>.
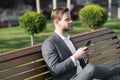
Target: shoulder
<point>49,43</point>
<point>51,39</point>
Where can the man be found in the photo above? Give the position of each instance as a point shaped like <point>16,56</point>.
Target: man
<point>64,61</point>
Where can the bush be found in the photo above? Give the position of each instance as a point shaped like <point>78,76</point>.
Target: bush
<point>93,16</point>
<point>33,22</point>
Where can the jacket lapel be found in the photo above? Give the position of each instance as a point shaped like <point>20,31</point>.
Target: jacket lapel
<point>82,62</point>
<point>62,44</point>
<point>74,43</point>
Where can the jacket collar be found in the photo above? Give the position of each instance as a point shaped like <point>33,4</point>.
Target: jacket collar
<point>60,41</point>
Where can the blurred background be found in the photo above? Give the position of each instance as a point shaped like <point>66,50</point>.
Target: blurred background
<point>11,10</point>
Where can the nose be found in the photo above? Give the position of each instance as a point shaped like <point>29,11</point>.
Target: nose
<point>70,21</point>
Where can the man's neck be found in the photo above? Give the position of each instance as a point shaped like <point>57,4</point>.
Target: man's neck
<point>63,33</point>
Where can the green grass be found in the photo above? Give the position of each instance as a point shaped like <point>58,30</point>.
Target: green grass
<point>114,25</point>
<point>15,37</point>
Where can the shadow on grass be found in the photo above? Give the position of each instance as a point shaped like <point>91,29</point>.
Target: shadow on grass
<point>17,38</point>
<point>77,23</point>
<point>114,27</point>
<point>13,44</point>
<point>17,43</point>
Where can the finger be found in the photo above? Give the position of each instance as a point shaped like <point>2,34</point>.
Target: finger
<point>85,48</point>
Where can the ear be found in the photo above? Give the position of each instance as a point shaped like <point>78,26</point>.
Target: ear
<point>56,21</point>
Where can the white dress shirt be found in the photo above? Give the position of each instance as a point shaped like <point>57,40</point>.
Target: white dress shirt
<point>72,48</point>
<point>70,45</point>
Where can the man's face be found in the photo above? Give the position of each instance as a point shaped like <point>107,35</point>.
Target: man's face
<point>66,23</point>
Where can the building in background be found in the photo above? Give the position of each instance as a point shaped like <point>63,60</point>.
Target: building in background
<point>11,10</point>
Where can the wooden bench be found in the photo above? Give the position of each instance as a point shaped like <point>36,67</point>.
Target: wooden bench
<point>28,63</point>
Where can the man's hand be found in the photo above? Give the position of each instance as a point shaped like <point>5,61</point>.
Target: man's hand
<point>81,53</point>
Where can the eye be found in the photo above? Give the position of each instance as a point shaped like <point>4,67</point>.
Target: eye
<point>68,19</point>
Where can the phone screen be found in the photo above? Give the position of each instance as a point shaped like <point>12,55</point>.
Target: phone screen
<point>88,43</point>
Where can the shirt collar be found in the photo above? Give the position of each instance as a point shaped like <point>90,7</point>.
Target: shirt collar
<point>63,37</point>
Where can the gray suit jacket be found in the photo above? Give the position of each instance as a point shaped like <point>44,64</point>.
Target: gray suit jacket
<point>57,57</point>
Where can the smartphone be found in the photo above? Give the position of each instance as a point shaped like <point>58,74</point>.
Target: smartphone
<point>88,43</point>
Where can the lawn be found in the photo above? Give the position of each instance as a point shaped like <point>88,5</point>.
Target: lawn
<point>15,37</point>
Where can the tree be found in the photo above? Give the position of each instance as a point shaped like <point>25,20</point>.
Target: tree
<point>33,23</point>
<point>93,16</point>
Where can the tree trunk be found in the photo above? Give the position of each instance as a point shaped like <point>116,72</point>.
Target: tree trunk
<point>38,5</point>
<point>32,39</point>
<point>68,4</point>
<point>54,4</point>
<point>109,8</point>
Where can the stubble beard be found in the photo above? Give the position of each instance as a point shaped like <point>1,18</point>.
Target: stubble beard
<point>68,29</point>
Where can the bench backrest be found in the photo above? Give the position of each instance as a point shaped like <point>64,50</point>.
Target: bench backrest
<point>23,64</point>
<point>105,47</point>
<point>28,63</point>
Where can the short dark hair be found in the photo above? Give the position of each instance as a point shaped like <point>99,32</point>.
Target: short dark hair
<point>58,13</point>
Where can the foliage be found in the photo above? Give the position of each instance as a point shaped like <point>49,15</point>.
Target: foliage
<point>93,16</point>
<point>33,22</point>
<point>14,38</point>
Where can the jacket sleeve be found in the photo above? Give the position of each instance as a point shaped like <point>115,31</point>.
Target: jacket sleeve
<point>52,59</point>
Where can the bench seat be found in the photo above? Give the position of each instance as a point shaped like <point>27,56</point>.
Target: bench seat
<point>28,63</point>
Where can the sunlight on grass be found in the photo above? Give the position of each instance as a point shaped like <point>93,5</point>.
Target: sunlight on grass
<point>15,37</point>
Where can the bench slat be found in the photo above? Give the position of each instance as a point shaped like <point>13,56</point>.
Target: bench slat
<point>105,48</point>
<point>25,68</point>
<point>28,63</point>
<point>20,60</point>
<point>103,43</point>
<point>30,74</point>
<point>89,35</point>
<point>20,53</point>
<point>95,39</point>
<point>114,63</point>
<point>43,77</point>
<point>104,57</point>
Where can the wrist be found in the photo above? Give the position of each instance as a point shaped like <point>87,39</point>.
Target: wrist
<point>76,57</point>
